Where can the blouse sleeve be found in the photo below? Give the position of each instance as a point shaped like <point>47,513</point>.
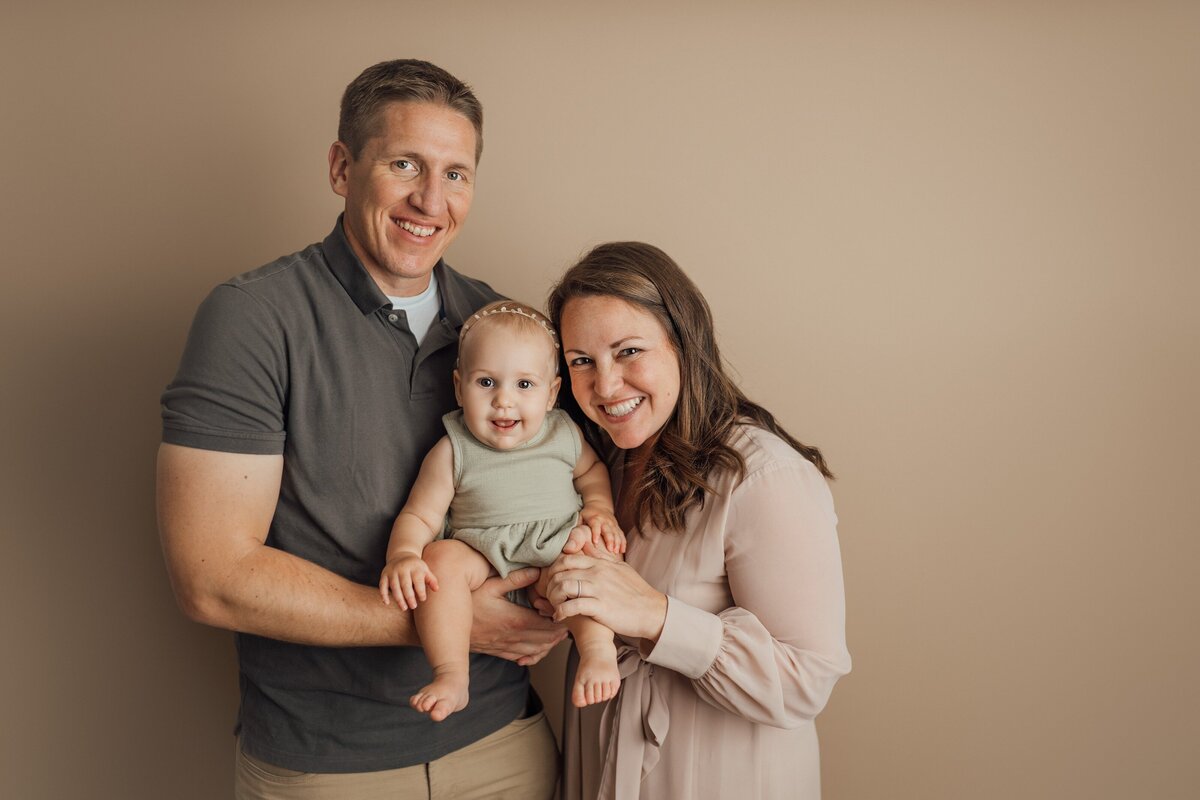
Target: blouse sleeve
<point>775,654</point>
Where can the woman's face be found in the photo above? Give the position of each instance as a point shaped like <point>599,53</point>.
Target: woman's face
<point>624,370</point>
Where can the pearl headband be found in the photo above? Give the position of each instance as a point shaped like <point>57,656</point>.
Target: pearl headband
<point>507,307</point>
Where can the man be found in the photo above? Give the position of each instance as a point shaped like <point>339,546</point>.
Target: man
<point>308,393</point>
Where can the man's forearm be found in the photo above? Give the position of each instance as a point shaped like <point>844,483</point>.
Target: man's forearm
<point>275,594</point>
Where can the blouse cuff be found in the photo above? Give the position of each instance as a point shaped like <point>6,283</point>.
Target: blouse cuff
<point>690,640</point>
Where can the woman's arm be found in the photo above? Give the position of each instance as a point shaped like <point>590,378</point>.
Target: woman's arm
<point>775,655</point>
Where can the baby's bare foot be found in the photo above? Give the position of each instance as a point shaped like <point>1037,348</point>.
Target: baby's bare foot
<point>448,693</point>
<point>597,679</point>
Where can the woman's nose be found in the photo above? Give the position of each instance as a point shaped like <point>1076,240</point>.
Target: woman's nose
<point>608,380</point>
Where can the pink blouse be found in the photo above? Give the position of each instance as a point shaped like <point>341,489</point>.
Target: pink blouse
<point>754,640</point>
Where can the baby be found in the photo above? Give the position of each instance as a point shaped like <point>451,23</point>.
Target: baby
<point>510,471</point>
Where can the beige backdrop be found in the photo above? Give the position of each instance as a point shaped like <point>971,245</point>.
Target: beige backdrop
<point>955,247</point>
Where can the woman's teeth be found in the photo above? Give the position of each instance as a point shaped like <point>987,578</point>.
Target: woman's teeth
<point>621,409</point>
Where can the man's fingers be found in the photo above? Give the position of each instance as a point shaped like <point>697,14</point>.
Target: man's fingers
<point>520,578</point>
<point>542,606</point>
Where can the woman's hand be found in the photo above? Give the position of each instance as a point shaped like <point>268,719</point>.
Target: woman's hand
<point>598,584</point>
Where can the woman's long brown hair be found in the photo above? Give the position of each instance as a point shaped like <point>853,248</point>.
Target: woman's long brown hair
<point>695,441</point>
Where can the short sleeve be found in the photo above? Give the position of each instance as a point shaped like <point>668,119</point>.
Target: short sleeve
<point>231,388</point>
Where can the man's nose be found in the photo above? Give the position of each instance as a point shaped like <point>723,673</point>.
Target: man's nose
<point>429,195</point>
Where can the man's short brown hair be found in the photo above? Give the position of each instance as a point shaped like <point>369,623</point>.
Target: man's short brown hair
<point>402,80</point>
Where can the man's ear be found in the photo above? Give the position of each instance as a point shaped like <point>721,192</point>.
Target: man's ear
<point>555,385</point>
<point>339,168</point>
<point>457,391</point>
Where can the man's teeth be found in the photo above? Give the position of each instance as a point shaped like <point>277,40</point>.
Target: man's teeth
<point>417,230</point>
<point>621,409</point>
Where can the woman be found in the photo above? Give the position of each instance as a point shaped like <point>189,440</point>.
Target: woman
<point>729,609</point>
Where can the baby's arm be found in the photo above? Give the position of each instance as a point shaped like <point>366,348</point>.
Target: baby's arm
<point>406,574</point>
<point>591,481</point>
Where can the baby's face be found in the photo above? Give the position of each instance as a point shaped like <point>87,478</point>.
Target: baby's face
<point>506,383</point>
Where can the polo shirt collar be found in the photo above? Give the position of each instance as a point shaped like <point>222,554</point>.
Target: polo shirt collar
<point>366,294</point>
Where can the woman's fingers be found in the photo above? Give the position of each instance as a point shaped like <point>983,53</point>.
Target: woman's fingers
<point>581,606</point>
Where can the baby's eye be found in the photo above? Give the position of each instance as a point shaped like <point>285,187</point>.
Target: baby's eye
<point>486,383</point>
<point>524,384</point>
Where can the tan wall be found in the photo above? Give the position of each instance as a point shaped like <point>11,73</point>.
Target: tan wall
<point>955,247</point>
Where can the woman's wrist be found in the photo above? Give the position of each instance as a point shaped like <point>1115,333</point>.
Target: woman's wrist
<point>657,618</point>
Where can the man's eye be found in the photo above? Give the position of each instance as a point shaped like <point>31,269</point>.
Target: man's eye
<point>486,383</point>
<point>454,176</point>
<point>524,384</point>
<point>403,163</point>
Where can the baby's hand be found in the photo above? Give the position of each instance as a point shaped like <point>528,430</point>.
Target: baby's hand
<point>405,578</point>
<point>604,529</point>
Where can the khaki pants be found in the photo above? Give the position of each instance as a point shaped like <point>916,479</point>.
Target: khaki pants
<point>520,761</point>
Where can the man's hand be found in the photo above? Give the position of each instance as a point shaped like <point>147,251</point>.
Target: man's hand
<point>504,629</point>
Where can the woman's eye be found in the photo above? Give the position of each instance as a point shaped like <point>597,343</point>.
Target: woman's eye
<point>581,361</point>
<point>524,384</point>
<point>486,383</point>
<point>630,351</point>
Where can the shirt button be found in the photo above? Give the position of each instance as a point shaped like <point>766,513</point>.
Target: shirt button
<point>392,317</point>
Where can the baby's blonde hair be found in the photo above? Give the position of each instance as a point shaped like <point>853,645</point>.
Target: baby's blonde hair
<point>515,315</point>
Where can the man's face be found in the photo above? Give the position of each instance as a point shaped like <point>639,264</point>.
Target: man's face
<point>407,193</point>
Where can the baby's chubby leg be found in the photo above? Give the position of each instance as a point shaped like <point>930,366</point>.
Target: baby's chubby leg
<point>444,624</point>
<point>597,678</point>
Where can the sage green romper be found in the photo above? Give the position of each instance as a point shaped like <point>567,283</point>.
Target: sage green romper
<point>516,506</point>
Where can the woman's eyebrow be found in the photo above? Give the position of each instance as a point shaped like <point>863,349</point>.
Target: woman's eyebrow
<point>613,346</point>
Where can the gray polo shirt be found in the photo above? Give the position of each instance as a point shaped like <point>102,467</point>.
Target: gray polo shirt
<point>305,357</point>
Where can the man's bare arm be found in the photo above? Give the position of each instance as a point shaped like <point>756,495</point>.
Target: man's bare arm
<point>214,511</point>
